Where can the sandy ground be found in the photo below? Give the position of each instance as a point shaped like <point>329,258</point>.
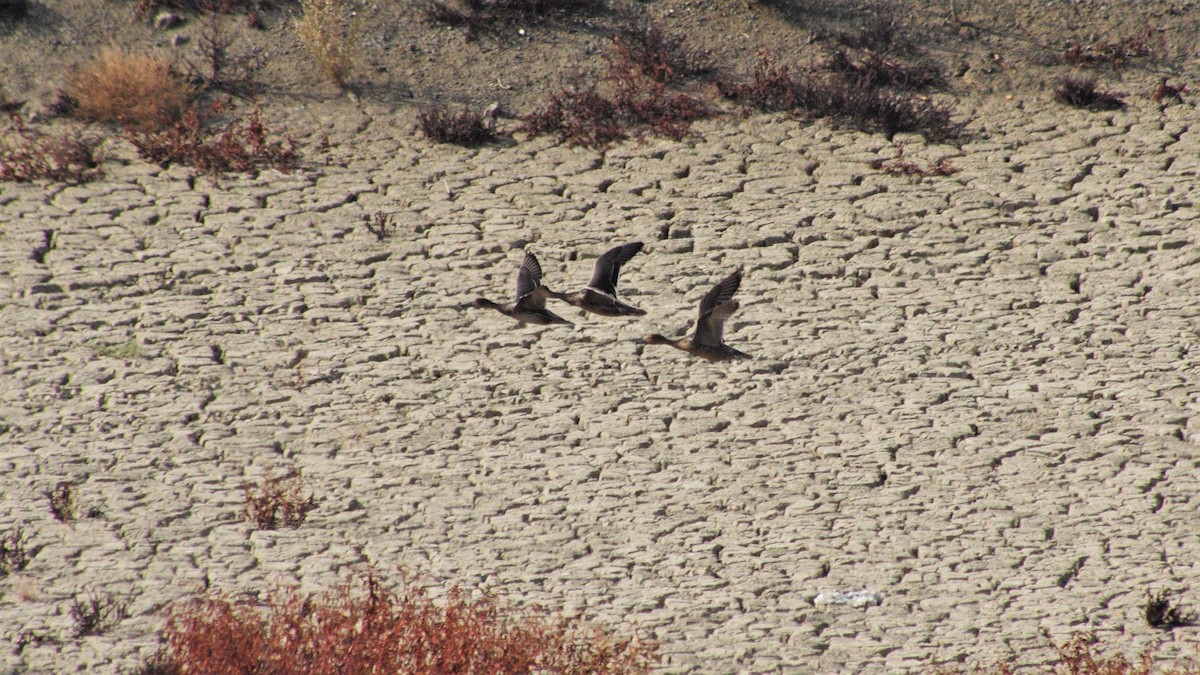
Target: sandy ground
<point>974,395</point>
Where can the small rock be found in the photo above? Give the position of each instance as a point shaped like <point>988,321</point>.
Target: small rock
<point>179,40</point>
<point>167,20</point>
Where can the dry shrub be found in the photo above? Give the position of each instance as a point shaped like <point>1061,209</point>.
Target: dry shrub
<point>858,102</point>
<point>135,90</point>
<point>197,140</point>
<point>14,555</point>
<point>1114,54</point>
<point>633,99</point>
<point>366,628</point>
<point>279,501</point>
<point>465,127</point>
<point>330,35</point>
<point>903,166</point>
<point>1082,93</point>
<point>1162,612</point>
<point>95,614</point>
<point>27,155</point>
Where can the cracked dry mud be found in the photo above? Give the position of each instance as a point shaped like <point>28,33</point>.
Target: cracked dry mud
<point>976,395</point>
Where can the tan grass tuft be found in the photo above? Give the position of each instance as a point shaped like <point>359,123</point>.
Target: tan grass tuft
<point>135,90</point>
<point>330,33</point>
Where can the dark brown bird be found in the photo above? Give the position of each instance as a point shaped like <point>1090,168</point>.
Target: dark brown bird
<point>529,306</point>
<point>600,295</point>
<point>708,340</point>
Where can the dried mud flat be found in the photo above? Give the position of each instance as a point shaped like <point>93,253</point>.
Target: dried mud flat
<point>975,395</point>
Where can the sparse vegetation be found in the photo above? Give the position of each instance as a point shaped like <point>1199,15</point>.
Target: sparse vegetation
<point>330,32</point>
<point>13,553</point>
<point>196,140</point>
<point>381,225</point>
<point>27,155</point>
<point>902,166</point>
<point>135,90</point>
<point>364,627</point>
<point>1161,612</point>
<point>1082,93</point>
<point>1114,54</point>
<point>94,614</point>
<point>633,99</point>
<point>858,103</point>
<point>62,502</point>
<point>463,127</point>
<point>879,55</point>
<point>217,66</point>
<point>1084,654</point>
<point>278,501</point>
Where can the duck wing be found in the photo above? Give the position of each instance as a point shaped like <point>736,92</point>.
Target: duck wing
<point>608,267</point>
<point>531,294</point>
<point>715,307</point>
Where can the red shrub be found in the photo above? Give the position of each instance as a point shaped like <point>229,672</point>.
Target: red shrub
<point>375,630</point>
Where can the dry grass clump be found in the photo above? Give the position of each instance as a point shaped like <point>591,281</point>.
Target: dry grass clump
<point>14,555</point>
<point>366,628</point>
<point>198,140</point>
<point>1083,93</point>
<point>330,34</point>
<point>279,501</point>
<point>634,98</point>
<point>1162,612</point>
<point>464,127</point>
<point>94,614</point>
<point>27,155</point>
<point>859,103</point>
<point>135,90</point>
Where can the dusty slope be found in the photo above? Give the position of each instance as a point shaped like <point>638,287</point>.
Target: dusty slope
<point>975,395</point>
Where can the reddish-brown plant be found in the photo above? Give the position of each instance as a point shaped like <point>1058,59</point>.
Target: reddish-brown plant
<point>633,99</point>
<point>27,155</point>
<point>859,103</point>
<point>366,628</point>
<point>1115,53</point>
<point>278,501</point>
<point>196,140</point>
<point>903,166</point>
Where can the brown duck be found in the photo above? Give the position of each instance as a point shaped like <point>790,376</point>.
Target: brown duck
<point>600,295</point>
<point>708,341</point>
<point>529,305</point>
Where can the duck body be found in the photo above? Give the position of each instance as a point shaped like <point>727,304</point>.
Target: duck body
<point>600,295</point>
<point>529,304</point>
<point>598,302</point>
<point>708,339</point>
